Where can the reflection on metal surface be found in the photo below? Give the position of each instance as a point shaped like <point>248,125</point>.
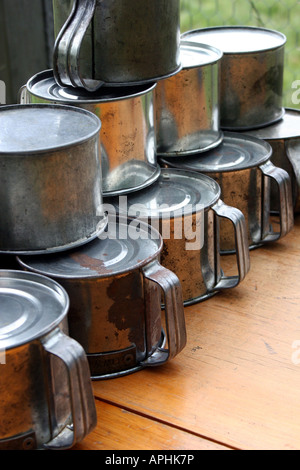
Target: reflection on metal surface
<point>115,41</point>
<point>187,104</point>
<point>115,286</point>
<point>252,74</point>
<point>127,138</point>
<point>245,186</point>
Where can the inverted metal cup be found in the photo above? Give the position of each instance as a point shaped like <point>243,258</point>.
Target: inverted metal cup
<point>127,139</point>
<point>116,42</point>
<point>115,285</point>
<point>187,104</point>
<point>252,74</point>
<point>284,138</point>
<point>187,209</point>
<point>47,401</point>
<point>242,167</point>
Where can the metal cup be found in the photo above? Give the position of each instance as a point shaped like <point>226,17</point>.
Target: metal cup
<point>46,395</point>
<point>116,42</point>
<point>243,169</point>
<point>127,139</point>
<point>284,138</point>
<point>187,104</point>
<point>50,178</point>
<point>187,209</point>
<point>252,73</point>
<point>115,287</point>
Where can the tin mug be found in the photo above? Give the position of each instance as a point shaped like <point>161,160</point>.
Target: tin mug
<point>46,397</point>
<point>186,208</point>
<point>116,42</point>
<point>284,138</point>
<point>187,104</point>
<point>252,69</point>
<point>242,167</point>
<point>115,284</point>
<point>50,178</point>
<point>127,138</point>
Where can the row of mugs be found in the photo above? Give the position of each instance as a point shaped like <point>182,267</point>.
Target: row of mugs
<point>52,187</point>
<point>56,203</point>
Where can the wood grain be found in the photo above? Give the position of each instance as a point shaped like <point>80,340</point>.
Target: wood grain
<point>120,429</point>
<point>237,382</point>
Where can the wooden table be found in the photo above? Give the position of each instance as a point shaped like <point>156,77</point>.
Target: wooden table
<point>236,385</point>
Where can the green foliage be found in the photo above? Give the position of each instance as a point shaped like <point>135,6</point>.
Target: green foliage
<point>281,15</point>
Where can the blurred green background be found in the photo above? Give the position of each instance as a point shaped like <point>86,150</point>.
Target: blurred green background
<point>283,16</point>
<point>26,34</point>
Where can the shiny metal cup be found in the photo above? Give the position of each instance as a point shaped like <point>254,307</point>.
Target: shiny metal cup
<point>249,190</point>
<point>50,178</point>
<point>46,400</point>
<point>187,104</point>
<point>252,74</point>
<point>127,139</point>
<point>115,312</point>
<point>116,42</point>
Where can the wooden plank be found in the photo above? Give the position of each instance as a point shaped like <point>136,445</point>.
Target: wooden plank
<point>119,429</point>
<point>237,381</point>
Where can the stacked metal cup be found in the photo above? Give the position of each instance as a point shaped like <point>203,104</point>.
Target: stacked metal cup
<point>250,96</point>
<point>187,123</point>
<point>107,59</point>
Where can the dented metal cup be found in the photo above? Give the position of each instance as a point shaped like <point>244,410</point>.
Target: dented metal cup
<point>115,285</point>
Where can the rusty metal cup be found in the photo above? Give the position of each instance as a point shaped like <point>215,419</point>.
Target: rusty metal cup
<point>242,167</point>
<point>47,401</point>
<point>187,209</point>
<point>187,104</point>
<point>252,73</point>
<point>115,286</point>
<point>116,42</point>
<point>284,138</point>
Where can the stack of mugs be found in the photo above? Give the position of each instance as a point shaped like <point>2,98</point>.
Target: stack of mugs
<point>124,178</point>
<point>252,72</point>
<point>250,106</point>
<point>85,299</point>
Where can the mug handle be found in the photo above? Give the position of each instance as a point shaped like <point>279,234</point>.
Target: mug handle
<point>293,155</point>
<point>23,97</point>
<point>66,66</point>
<point>81,394</point>
<point>286,210</point>
<point>174,313</point>
<point>241,243</point>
